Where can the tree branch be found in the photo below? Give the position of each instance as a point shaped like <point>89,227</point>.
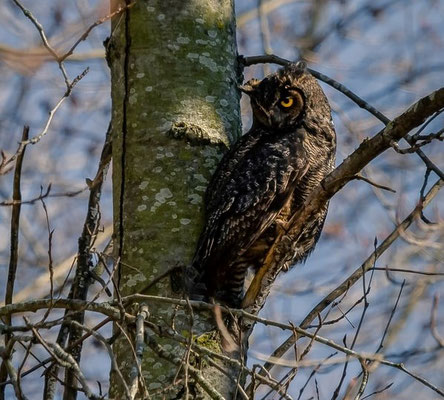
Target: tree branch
<point>13,260</point>
<point>357,274</point>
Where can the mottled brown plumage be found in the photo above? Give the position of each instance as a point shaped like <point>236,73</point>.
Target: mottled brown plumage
<point>263,180</point>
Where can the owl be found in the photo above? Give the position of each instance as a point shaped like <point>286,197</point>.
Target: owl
<point>263,180</point>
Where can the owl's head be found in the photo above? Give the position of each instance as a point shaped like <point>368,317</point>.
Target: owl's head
<point>283,99</point>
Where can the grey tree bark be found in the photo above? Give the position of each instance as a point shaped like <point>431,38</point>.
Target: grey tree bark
<point>175,111</point>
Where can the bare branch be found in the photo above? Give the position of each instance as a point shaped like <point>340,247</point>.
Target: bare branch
<point>364,381</point>
<point>13,260</point>
<point>45,41</point>
<point>101,339</point>
<point>65,359</point>
<point>19,202</point>
<point>433,328</point>
<point>160,351</point>
<point>379,391</point>
<point>136,372</point>
<point>381,344</point>
<point>47,360</point>
<point>107,309</point>
<point>15,222</point>
<point>271,58</point>
<point>5,354</point>
<point>362,178</point>
<point>82,280</point>
<point>357,274</point>
<point>69,89</point>
<point>100,21</point>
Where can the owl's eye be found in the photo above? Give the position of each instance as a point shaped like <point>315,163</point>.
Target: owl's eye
<point>287,102</point>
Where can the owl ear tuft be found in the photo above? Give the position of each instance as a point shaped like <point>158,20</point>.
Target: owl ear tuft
<point>298,67</point>
<point>302,65</point>
<point>250,87</point>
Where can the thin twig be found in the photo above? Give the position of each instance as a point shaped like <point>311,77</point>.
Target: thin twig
<point>379,391</point>
<point>381,344</point>
<point>4,165</point>
<point>100,21</point>
<point>204,351</point>
<point>71,86</point>
<point>15,223</point>
<point>357,274</point>
<point>108,309</point>
<point>136,376</point>
<point>264,32</point>
<point>300,331</point>
<point>5,354</point>
<point>409,271</point>
<point>206,386</point>
<point>362,178</point>
<point>415,147</point>
<point>364,381</point>
<point>50,261</point>
<point>433,328</point>
<point>38,137</point>
<point>45,40</point>
<point>240,390</point>
<point>13,260</point>
<point>104,308</point>
<point>15,202</point>
<point>24,360</point>
<point>365,291</point>
<point>271,58</point>
<point>63,358</point>
<point>82,281</point>
<point>49,359</point>
<point>315,370</point>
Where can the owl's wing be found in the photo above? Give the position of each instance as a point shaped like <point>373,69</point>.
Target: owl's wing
<point>247,199</point>
<point>226,167</point>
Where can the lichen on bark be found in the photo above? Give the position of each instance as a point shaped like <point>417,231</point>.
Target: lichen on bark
<point>175,110</point>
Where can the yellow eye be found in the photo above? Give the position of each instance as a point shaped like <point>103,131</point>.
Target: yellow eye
<point>287,102</point>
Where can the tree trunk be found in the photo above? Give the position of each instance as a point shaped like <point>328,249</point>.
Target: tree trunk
<point>175,111</point>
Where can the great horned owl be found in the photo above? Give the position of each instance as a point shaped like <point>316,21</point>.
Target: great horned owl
<point>264,179</point>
